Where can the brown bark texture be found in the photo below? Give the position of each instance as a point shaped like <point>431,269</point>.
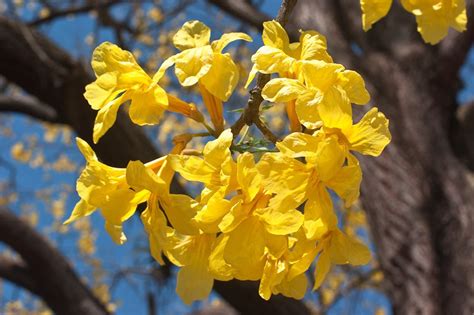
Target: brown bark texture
<point>419,194</point>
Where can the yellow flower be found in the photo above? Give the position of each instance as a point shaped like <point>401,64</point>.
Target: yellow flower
<point>191,253</point>
<point>280,56</point>
<point>435,17</point>
<point>215,169</point>
<point>373,11</point>
<point>105,187</point>
<point>327,166</point>
<point>369,136</point>
<point>285,58</point>
<point>325,96</point>
<point>275,280</point>
<point>204,63</point>
<point>334,247</point>
<point>251,227</point>
<point>119,79</point>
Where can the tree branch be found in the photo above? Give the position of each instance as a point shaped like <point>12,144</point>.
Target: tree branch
<point>17,272</point>
<point>51,276</point>
<point>92,5</point>
<point>27,106</point>
<point>251,114</point>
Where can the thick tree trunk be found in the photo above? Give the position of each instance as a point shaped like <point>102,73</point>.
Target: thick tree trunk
<point>419,195</point>
<point>47,72</point>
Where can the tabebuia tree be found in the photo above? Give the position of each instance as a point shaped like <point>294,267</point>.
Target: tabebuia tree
<point>264,211</point>
<point>274,148</point>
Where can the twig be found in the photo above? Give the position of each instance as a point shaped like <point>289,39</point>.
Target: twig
<point>74,10</point>
<point>251,113</point>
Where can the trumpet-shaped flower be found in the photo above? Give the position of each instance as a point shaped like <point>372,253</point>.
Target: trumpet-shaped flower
<point>250,217</point>
<point>280,56</point>
<point>325,96</point>
<point>191,253</point>
<point>216,169</point>
<point>119,79</point>
<point>104,187</point>
<point>203,62</point>
<point>327,166</point>
<point>334,248</point>
<point>369,136</point>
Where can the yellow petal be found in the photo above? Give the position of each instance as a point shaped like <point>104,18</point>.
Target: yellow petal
<point>82,209</point>
<point>431,27</point>
<point>298,144</point>
<point>121,205</point>
<point>147,108</point>
<point>102,90</point>
<point>272,60</point>
<point>286,177</point>
<point>273,274</point>
<point>211,214</point>
<point>106,117</point>
<point>373,10</point>
<point>222,77</point>
<point>108,57</point>
<point>274,35</point>
<point>194,283</point>
<point>86,150</point>
<point>345,250</point>
<point>321,270</point>
<point>335,109</point>
<point>191,35</point>
<point>252,74</point>
<point>346,182</point>
<point>192,168</point>
<point>245,249</point>
<point>192,252</point>
<point>314,46</point>
<point>319,216</point>
<point>218,267</point>
<point>179,211</point>
<point>192,64</point>
<point>217,151</point>
<point>281,221</point>
<point>300,266</point>
<point>140,177</point>
<point>371,134</point>
<point>248,176</point>
<point>115,232</point>
<point>306,108</point>
<point>354,85</point>
<point>320,75</point>
<point>226,39</point>
<point>295,288</point>
<point>282,90</point>
<point>277,245</point>
<point>238,213</point>
<point>330,159</point>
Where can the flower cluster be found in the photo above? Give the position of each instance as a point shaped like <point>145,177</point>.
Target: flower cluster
<point>434,17</point>
<point>267,217</point>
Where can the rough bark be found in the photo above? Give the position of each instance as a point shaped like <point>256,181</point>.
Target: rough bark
<point>45,271</point>
<point>44,70</point>
<point>419,194</point>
